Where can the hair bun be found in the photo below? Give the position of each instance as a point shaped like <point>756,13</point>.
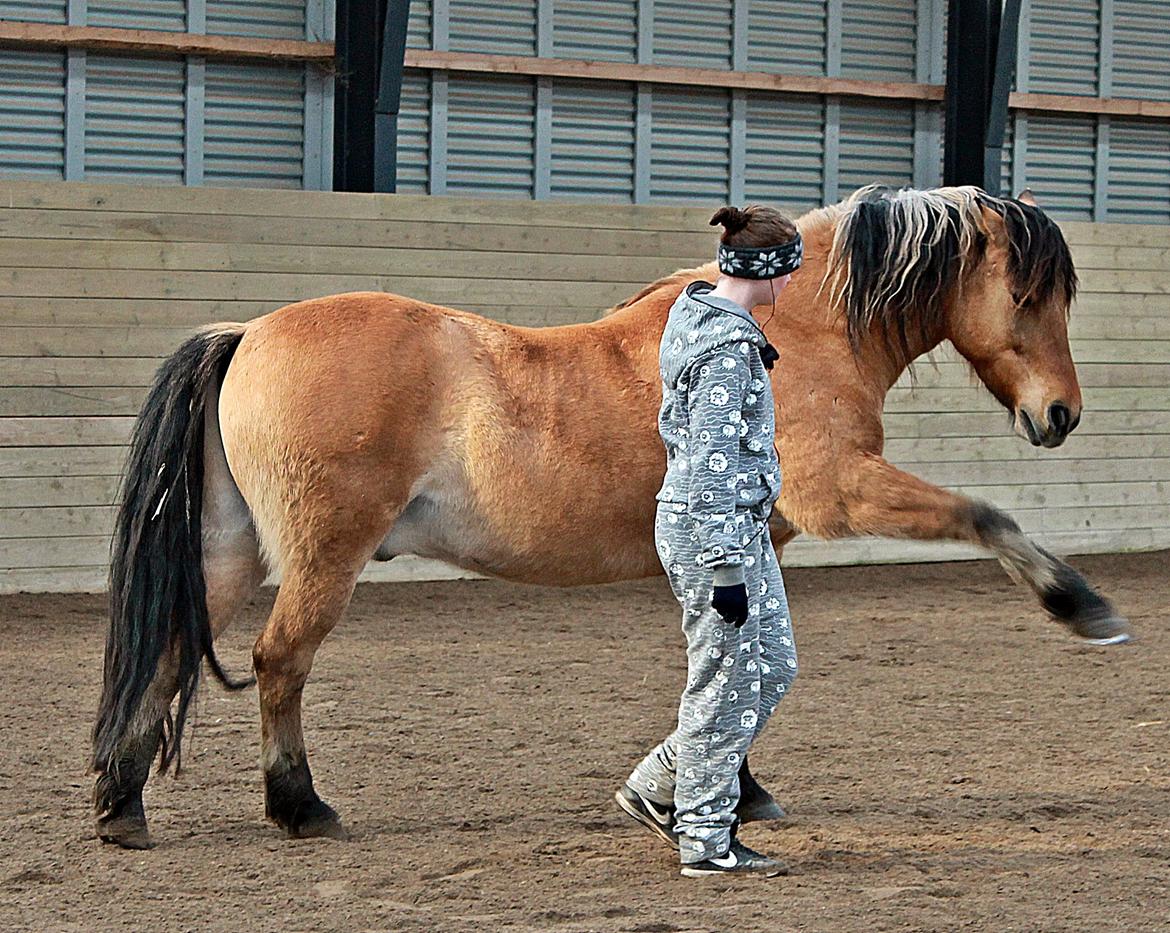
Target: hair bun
<point>732,219</point>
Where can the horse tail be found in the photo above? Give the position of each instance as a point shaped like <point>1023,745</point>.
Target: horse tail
<point>158,598</point>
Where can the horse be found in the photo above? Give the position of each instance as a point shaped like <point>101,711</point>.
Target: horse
<point>367,425</point>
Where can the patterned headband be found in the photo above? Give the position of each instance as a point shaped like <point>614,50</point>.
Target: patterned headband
<point>769,262</point>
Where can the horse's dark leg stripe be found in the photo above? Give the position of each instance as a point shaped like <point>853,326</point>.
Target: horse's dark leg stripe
<point>118,792</point>
<point>291,802</point>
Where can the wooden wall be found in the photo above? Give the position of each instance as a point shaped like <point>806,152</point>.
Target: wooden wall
<point>97,283</point>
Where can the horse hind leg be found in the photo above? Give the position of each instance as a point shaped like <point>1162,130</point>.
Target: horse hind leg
<point>232,572</point>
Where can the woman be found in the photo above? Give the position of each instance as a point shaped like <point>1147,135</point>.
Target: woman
<point>722,478</point>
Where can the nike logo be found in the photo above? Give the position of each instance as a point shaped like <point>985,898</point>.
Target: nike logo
<point>725,861</point>
<point>660,816</point>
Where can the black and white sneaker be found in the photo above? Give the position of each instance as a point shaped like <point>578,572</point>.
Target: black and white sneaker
<point>738,860</point>
<point>654,816</point>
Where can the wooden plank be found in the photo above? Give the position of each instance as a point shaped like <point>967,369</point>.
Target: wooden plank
<point>193,313</point>
<point>64,432</point>
<point>1075,103</point>
<point>1121,351</point>
<point>911,451</point>
<point>338,260</point>
<point>1081,233</point>
<point>432,236</point>
<point>56,522</point>
<point>1126,281</point>
<point>77,371</point>
<point>966,398</point>
<point>122,342</point>
<point>18,553</point>
<point>29,492</point>
<point>311,206</point>
<point>20,35</point>
<point>289,287</point>
<point>982,425</point>
<point>1090,474</point>
<point>956,373</point>
<point>1122,257</point>
<point>47,463</point>
<point>1069,495</point>
<point>476,62</point>
<point>39,401</point>
<point>54,580</point>
<point>1117,305</point>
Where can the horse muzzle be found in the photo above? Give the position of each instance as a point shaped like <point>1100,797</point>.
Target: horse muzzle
<point>1058,423</point>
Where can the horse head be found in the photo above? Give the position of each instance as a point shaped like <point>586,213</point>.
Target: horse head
<point>994,276</point>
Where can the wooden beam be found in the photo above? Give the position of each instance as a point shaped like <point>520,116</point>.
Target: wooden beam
<point>663,74</point>
<point>43,35</point>
<point>1071,103</point>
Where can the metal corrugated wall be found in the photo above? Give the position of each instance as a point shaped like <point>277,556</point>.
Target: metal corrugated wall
<point>666,143</point>
<point>158,120</point>
<point>641,142</point>
<point>1094,166</point>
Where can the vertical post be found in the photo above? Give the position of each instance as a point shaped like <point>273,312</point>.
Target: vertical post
<point>1005,66</point>
<point>832,157</point>
<point>391,56</point>
<point>74,168</point>
<point>196,95</point>
<point>1020,129</point>
<point>318,158</point>
<point>645,103</point>
<point>928,69</point>
<point>440,41</point>
<point>542,132</point>
<point>970,41</point>
<point>1104,89</point>
<point>359,35</point>
<point>738,139</point>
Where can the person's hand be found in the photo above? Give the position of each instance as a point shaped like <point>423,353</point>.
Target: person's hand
<point>731,602</point>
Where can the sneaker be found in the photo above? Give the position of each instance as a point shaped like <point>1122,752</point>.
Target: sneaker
<point>738,860</point>
<point>654,816</point>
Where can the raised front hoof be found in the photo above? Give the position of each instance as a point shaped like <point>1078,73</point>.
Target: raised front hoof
<point>1084,611</point>
<point>1103,629</point>
<point>314,820</point>
<point>126,829</point>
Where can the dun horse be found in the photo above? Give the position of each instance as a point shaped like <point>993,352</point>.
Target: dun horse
<point>364,426</point>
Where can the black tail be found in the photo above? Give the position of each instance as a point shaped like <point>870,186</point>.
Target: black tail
<point>158,600</point>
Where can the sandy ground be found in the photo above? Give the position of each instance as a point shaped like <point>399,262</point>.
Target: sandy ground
<point>951,761</point>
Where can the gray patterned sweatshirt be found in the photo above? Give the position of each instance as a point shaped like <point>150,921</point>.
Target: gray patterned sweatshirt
<point>718,424</point>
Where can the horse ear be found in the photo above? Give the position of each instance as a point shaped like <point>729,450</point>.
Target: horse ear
<point>1026,197</point>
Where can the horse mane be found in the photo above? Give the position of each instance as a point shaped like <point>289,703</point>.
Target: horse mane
<point>898,255</point>
<point>675,278</point>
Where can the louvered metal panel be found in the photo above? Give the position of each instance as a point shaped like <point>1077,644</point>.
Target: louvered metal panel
<point>270,19</point>
<point>502,27</point>
<point>787,36</point>
<point>418,26</point>
<point>170,15</point>
<point>1060,163</point>
<point>1139,172</point>
<point>596,30</point>
<point>414,118</point>
<point>785,151</point>
<point>1065,39</point>
<point>878,39</point>
<point>693,33</point>
<point>490,128</point>
<point>877,145</point>
<point>593,141</point>
<point>134,120</point>
<point>254,118</point>
<point>690,146</point>
<point>1005,164</point>
<point>1141,48</point>
<point>34,11</point>
<point>32,114</point>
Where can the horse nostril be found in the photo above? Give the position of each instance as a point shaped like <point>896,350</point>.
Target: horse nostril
<point>1060,418</point>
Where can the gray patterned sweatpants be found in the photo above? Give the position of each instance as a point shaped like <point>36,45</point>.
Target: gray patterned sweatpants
<point>735,679</point>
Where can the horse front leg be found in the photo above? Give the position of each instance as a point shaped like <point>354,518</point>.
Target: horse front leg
<point>873,497</point>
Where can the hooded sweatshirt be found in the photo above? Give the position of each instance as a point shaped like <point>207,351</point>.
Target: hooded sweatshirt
<point>718,424</point>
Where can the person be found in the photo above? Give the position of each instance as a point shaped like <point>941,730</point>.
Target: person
<point>717,421</point>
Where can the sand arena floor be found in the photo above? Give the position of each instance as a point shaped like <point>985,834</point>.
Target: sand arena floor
<point>951,761</point>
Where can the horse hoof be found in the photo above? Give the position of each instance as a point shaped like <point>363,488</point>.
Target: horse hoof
<point>129,832</point>
<point>760,811</point>
<point>318,821</point>
<point>1102,627</point>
